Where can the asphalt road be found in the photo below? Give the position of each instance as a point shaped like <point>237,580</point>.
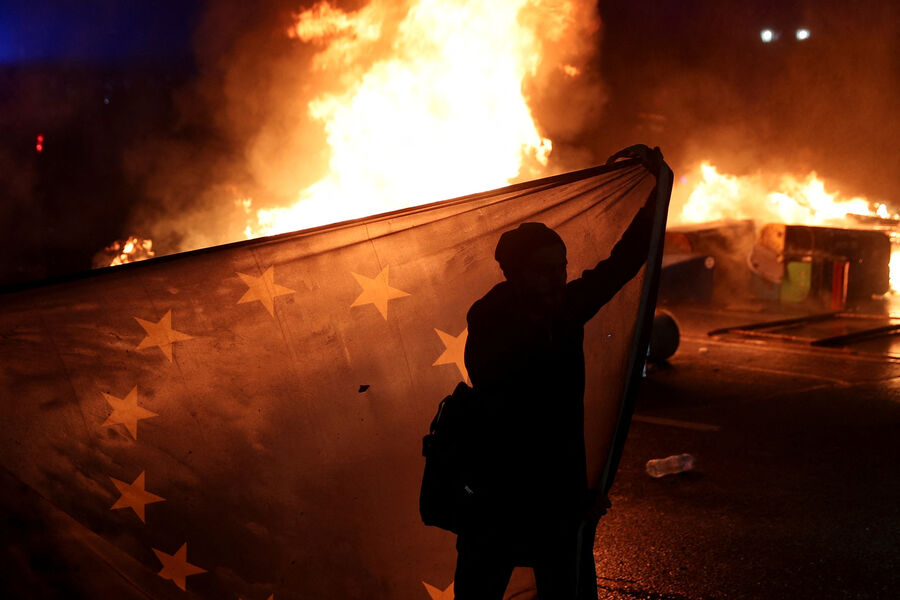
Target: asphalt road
<point>796,492</point>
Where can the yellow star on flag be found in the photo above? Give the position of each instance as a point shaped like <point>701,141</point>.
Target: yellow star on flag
<point>438,594</point>
<point>377,291</point>
<point>161,334</point>
<point>263,289</point>
<point>454,353</point>
<point>134,496</point>
<point>126,411</point>
<point>176,567</point>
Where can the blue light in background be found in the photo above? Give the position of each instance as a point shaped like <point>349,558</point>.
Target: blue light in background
<point>95,30</point>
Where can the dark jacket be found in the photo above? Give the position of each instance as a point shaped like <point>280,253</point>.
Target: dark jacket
<point>530,475</point>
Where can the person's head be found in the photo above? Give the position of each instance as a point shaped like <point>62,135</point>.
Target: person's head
<point>533,258</point>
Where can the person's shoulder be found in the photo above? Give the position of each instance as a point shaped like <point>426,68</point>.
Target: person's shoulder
<point>491,304</point>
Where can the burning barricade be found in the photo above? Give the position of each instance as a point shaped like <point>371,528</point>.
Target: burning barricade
<point>829,265</point>
<point>734,238</point>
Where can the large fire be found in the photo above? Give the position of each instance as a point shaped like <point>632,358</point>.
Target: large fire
<point>440,114</point>
<point>422,100</point>
<point>705,195</point>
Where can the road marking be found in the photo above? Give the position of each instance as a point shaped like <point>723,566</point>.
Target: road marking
<point>841,353</point>
<point>676,423</point>
<point>840,382</point>
<point>806,390</point>
<point>769,371</point>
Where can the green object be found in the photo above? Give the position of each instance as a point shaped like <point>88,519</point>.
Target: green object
<point>796,283</point>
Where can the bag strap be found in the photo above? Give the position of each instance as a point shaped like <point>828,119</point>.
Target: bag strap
<point>460,393</point>
<point>435,422</point>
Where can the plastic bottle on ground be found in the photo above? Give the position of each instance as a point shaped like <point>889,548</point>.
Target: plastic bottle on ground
<point>678,463</point>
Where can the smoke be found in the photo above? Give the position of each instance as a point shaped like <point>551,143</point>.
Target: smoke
<point>241,126</point>
<point>712,90</point>
<point>246,139</point>
<point>17,186</point>
<point>52,117</point>
<point>567,95</point>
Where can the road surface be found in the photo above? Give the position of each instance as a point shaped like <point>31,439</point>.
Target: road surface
<point>796,492</point>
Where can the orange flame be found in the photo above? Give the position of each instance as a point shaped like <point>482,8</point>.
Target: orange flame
<point>442,114</point>
<point>131,249</point>
<point>791,200</point>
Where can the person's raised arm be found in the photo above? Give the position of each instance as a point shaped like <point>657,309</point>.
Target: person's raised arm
<point>597,286</point>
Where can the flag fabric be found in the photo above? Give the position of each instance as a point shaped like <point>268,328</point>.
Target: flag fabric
<point>246,421</point>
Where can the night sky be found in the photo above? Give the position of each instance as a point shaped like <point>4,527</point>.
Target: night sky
<point>124,90</point>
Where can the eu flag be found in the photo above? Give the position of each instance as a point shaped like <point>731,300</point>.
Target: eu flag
<point>246,421</point>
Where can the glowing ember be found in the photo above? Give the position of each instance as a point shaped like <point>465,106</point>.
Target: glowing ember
<point>707,195</point>
<point>129,250</point>
<point>442,114</point>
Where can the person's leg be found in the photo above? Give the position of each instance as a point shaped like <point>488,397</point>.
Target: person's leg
<point>555,579</point>
<point>482,573</point>
<point>587,575</point>
<point>555,572</point>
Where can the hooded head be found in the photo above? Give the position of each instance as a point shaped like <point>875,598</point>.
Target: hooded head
<point>533,259</point>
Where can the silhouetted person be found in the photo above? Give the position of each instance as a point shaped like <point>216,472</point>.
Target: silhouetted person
<point>525,359</point>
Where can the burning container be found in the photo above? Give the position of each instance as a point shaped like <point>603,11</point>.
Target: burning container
<point>706,261</point>
<point>825,264</point>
